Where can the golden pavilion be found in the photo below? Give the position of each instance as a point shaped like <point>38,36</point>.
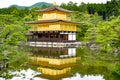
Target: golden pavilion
<point>53,42</point>
<point>54,29</point>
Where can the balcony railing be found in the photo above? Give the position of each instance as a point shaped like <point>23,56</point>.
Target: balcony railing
<point>54,44</point>
<point>50,40</point>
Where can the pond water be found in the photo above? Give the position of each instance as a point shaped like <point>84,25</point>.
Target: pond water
<point>29,75</point>
<point>69,64</point>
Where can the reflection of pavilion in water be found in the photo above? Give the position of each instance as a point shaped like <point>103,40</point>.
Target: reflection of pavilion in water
<point>54,63</point>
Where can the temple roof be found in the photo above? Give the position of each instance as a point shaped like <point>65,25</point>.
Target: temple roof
<point>52,8</point>
<point>51,21</point>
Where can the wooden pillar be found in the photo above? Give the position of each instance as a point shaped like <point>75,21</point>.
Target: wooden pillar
<point>49,36</point>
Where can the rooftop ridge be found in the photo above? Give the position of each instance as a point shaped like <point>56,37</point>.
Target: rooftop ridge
<point>54,7</point>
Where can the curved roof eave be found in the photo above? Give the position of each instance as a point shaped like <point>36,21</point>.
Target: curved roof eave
<point>52,8</point>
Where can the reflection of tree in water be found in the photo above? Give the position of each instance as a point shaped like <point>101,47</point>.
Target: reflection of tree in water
<point>90,70</point>
<point>92,64</point>
<point>100,63</point>
<point>116,72</point>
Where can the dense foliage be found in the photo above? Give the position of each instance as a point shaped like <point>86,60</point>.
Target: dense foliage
<point>12,38</point>
<point>111,8</point>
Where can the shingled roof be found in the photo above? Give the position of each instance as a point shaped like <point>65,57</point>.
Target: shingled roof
<point>52,8</point>
<point>51,21</point>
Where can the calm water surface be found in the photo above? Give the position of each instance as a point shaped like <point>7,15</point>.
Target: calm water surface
<point>90,65</point>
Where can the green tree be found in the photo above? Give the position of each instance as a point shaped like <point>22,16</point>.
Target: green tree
<point>11,38</point>
<point>88,22</point>
<point>107,34</point>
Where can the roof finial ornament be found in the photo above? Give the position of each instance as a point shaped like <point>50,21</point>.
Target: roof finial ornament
<point>54,4</point>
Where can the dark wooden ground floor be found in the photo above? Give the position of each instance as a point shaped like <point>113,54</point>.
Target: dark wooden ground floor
<point>48,36</point>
